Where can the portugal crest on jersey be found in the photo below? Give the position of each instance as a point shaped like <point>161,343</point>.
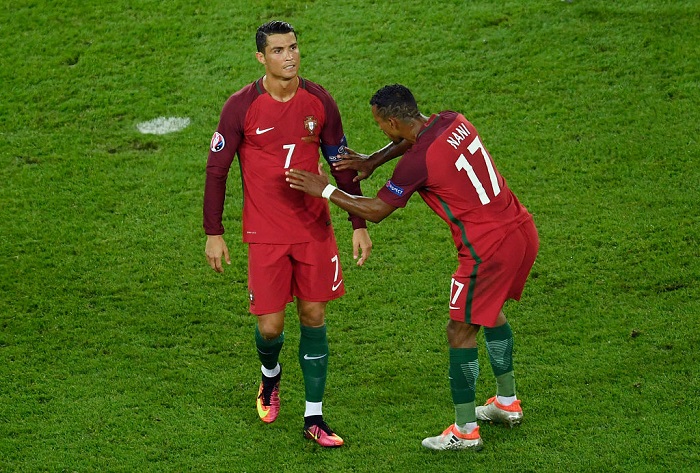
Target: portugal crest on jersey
<point>311,125</point>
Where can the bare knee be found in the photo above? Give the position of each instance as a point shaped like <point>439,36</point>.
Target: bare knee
<point>461,334</point>
<point>311,314</point>
<point>271,325</point>
<point>500,320</point>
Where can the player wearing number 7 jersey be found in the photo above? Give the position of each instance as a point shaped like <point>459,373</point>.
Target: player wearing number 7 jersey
<point>278,121</point>
<point>495,236</point>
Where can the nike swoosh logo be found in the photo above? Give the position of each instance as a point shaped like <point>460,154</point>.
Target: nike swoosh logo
<point>262,411</point>
<point>307,357</point>
<point>336,286</point>
<point>453,307</point>
<point>260,132</point>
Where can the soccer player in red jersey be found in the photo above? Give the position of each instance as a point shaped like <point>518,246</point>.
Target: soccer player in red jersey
<point>279,121</point>
<point>445,161</point>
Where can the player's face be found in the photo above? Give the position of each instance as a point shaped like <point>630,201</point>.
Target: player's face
<point>389,127</point>
<point>281,57</point>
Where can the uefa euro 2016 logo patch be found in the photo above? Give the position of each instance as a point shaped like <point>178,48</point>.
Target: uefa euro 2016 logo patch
<point>217,142</point>
<point>394,188</point>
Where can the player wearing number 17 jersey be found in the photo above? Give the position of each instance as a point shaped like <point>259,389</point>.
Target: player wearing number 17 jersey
<point>453,173</point>
<point>278,121</point>
<point>495,236</point>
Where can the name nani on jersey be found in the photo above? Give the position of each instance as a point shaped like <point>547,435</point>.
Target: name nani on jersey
<point>458,135</point>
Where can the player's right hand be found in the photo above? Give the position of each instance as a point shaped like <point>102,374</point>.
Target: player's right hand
<point>214,250</point>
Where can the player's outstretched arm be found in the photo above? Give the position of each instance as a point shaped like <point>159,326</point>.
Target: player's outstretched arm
<point>214,250</point>
<point>365,165</point>
<point>372,209</point>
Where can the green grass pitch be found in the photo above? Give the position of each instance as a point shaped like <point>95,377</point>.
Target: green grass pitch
<point>121,350</point>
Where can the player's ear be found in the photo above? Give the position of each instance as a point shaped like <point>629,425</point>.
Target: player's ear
<point>260,57</point>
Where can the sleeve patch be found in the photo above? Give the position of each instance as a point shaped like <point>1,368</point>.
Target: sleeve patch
<point>394,188</point>
<point>217,142</point>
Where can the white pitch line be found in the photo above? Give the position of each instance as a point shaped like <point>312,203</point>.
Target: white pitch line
<point>163,125</point>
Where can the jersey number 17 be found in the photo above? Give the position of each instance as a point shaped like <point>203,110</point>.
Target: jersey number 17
<point>462,164</point>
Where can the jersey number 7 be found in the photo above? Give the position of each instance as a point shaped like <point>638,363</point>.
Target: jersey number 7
<point>462,164</point>
<point>290,151</point>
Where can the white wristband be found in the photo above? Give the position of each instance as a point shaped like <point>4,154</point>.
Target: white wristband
<point>327,191</point>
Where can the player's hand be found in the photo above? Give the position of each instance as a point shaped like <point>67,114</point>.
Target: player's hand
<point>312,184</point>
<point>214,250</point>
<point>361,245</point>
<point>361,163</point>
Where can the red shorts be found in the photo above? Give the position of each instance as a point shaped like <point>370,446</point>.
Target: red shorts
<point>278,273</point>
<point>479,290</point>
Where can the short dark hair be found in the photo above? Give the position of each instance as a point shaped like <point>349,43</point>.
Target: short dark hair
<point>271,27</point>
<point>395,101</point>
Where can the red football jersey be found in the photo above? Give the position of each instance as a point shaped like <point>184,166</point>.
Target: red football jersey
<point>270,137</point>
<point>452,171</point>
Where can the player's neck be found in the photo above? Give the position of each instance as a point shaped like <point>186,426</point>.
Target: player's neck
<point>414,128</point>
<point>282,90</point>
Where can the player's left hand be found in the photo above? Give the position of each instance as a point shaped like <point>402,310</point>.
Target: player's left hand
<point>357,162</point>
<point>361,245</point>
<point>312,184</point>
